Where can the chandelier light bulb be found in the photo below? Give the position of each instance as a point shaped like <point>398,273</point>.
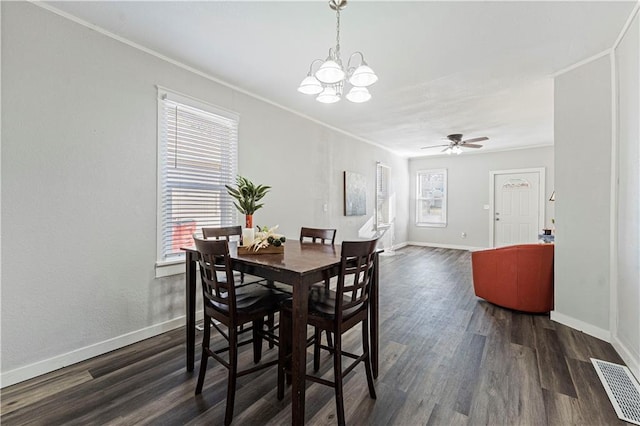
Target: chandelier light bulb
<point>310,86</point>
<point>363,76</point>
<point>328,96</point>
<point>358,94</point>
<point>330,72</point>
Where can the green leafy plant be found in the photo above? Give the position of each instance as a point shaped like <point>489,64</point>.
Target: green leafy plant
<point>247,195</point>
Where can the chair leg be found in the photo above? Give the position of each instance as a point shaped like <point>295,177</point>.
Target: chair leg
<point>367,360</point>
<point>206,337</point>
<point>257,340</point>
<point>327,286</point>
<point>337,377</point>
<point>233,371</point>
<point>317,335</point>
<point>284,350</point>
<point>329,340</point>
<point>270,324</point>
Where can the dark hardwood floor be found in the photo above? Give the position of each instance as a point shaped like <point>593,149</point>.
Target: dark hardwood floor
<point>446,357</point>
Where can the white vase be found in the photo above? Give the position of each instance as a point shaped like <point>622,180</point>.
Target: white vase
<point>248,235</point>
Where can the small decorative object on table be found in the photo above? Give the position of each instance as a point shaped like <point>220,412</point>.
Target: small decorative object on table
<point>266,241</point>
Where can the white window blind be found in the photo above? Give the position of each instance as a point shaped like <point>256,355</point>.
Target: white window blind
<point>197,156</point>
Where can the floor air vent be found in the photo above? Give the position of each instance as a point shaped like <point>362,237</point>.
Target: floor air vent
<point>622,388</point>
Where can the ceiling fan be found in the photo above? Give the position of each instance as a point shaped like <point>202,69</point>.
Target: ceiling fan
<point>456,143</point>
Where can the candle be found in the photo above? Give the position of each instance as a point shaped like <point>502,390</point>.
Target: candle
<point>248,234</point>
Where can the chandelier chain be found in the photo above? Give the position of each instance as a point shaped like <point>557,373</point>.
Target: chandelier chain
<point>338,59</point>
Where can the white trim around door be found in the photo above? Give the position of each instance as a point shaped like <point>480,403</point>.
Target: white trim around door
<point>541,197</point>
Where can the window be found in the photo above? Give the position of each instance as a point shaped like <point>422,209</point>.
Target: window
<point>383,204</point>
<point>197,156</point>
<point>431,198</point>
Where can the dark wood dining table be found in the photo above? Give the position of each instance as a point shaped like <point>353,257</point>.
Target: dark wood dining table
<point>301,265</point>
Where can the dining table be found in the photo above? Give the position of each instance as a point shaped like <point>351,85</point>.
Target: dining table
<point>300,266</point>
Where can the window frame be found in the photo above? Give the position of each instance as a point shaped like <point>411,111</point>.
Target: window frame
<point>175,264</point>
<point>383,195</point>
<point>442,223</point>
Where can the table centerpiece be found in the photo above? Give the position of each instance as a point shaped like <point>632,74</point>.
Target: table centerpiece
<point>266,241</point>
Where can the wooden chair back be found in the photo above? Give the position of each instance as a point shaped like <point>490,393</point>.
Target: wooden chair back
<point>354,280</point>
<point>218,288</point>
<point>318,235</point>
<point>226,232</point>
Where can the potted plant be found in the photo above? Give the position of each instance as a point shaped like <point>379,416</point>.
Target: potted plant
<point>247,196</point>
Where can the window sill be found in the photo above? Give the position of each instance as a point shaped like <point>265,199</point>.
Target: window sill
<point>431,225</point>
<point>168,268</point>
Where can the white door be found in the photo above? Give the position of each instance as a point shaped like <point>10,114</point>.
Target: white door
<point>517,215</point>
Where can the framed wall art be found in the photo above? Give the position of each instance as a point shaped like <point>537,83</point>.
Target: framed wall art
<point>355,194</point>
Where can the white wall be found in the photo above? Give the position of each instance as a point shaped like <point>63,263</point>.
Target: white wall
<point>79,187</point>
<point>305,165</point>
<point>468,193</point>
<point>583,183</point>
<point>627,292</point>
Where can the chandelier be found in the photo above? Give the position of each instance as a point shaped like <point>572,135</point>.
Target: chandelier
<point>329,80</point>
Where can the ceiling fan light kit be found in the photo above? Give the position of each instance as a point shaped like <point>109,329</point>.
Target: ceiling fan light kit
<point>456,144</point>
<point>449,150</point>
<point>328,81</point>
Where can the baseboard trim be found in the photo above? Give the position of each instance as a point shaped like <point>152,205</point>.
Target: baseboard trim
<point>633,362</point>
<point>447,246</point>
<point>401,245</point>
<point>580,325</point>
<point>48,365</point>
<point>398,246</point>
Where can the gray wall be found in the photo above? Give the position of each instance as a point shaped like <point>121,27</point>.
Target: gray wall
<point>627,295</point>
<point>583,189</point>
<point>79,187</point>
<point>468,192</point>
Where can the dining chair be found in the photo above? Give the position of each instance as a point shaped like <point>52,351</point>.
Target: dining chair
<point>320,236</point>
<point>218,232</point>
<point>234,233</point>
<point>336,311</point>
<point>228,233</point>
<point>230,306</point>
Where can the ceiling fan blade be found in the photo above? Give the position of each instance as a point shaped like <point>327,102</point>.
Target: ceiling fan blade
<point>434,146</point>
<point>446,149</point>
<point>481,138</point>
<point>471,145</point>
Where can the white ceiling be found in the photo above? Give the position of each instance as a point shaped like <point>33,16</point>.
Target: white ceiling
<point>477,68</point>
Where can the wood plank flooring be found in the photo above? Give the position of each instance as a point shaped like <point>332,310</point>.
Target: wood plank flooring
<point>446,358</point>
